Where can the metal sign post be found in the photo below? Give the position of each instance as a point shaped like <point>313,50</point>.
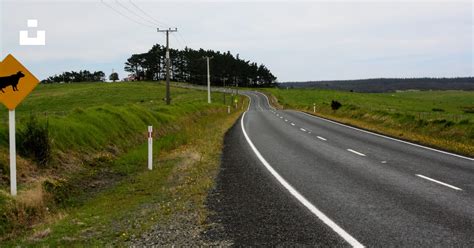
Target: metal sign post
<point>17,83</point>
<point>11,115</point>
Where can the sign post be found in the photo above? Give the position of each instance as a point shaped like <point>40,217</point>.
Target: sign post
<point>16,82</point>
<point>12,139</point>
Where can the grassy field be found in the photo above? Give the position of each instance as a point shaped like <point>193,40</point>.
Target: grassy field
<point>97,180</point>
<point>443,119</point>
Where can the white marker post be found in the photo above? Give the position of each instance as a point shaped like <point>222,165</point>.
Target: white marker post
<point>228,109</point>
<point>150,147</point>
<point>314,107</point>
<point>12,152</point>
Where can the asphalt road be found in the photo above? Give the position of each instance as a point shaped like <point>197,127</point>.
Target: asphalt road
<point>339,185</point>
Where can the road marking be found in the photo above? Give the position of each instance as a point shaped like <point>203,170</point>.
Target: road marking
<point>292,124</point>
<point>321,138</point>
<point>356,152</point>
<point>336,228</point>
<point>268,101</point>
<point>436,181</point>
<point>281,117</point>
<point>383,162</point>
<point>286,120</point>
<point>390,138</point>
<point>302,129</point>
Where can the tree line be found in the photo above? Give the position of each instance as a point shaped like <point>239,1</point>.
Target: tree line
<point>189,66</point>
<point>76,77</point>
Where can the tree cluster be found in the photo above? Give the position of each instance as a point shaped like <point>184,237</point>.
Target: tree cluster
<point>189,66</point>
<point>76,77</point>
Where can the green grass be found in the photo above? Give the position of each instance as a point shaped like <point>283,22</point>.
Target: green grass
<point>98,132</point>
<point>436,118</point>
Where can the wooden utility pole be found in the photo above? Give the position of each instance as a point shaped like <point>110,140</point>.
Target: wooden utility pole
<point>167,31</point>
<point>208,79</point>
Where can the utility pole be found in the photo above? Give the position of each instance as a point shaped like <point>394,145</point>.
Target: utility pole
<point>167,31</point>
<point>224,79</point>
<point>208,79</point>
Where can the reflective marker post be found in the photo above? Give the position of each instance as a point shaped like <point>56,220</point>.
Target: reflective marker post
<point>12,152</point>
<point>314,107</point>
<point>150,147</point>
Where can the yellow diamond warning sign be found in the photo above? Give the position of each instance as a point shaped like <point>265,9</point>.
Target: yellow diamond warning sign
<point>16,82</point>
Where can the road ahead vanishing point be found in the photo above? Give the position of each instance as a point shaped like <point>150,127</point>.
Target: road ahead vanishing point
<point>338,185</point>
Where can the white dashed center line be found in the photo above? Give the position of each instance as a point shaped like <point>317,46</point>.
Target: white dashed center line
<point>356,152</point>
<point>292,124</point>
<point>302,129</point>
<point>286,120</point>
<point>321,138</point>
<point>439,182</point>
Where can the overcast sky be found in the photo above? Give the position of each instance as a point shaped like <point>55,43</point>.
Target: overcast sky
<point>296,40</point>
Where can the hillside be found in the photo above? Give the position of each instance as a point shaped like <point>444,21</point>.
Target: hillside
<point>387,84</point>
<point>96,179</point>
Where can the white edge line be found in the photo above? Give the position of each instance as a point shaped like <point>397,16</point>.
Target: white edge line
<point>268,101</point>
<point>356,152</point>
<point>342,233</point>
<point>390,138</point>
<point>321,138</point>
<point>436,181</point>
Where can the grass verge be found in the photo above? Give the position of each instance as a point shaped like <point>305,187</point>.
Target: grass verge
<point>97,189</point>
<point>433,118</point>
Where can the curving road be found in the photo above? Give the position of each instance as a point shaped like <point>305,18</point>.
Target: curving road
<point>360,188</point>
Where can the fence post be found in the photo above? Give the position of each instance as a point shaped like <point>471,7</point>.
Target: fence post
<point>150,147</point>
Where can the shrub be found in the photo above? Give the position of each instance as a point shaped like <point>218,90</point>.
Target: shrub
<point>437,110</point>
<point>335,105</point>
<point>468,109</point>
<point>34,141</point>
<point>464,122</point>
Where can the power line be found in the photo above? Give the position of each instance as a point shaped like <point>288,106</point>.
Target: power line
<point>149,16</point>
<point>176,37</point>
<point>129,18</point>
<point>134,13</point>
<point>182,38</point>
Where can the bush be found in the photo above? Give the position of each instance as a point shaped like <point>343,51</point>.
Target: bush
<point>34,141</point>
<point>437,110</point>
<point>468,109</point>
<point>335,105</point>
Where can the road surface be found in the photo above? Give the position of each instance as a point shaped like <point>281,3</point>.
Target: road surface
<point>289,172</point>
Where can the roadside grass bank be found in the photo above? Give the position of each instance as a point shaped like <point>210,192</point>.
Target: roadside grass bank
<point>98,157</point>
<point>440,119</point>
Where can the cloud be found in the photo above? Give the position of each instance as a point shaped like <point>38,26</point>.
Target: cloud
<point>297,40</point>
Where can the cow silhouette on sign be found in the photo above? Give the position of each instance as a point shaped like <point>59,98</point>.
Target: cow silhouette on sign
<point>11,80</point>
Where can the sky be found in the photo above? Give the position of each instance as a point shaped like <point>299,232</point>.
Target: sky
<point>296,40</point>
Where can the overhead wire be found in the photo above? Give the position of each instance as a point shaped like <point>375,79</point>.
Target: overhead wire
<point>126,16</point>
<point>136,14</point>
<point>148,15</point>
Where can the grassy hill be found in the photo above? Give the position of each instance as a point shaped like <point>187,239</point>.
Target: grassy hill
<point>388,84</point>
<point>96,180</point>
<point>443,119</point>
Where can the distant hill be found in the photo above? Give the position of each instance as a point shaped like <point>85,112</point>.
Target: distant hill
<point>387,84</point>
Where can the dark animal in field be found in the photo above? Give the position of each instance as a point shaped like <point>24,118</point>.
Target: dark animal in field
<point>11,80</point>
